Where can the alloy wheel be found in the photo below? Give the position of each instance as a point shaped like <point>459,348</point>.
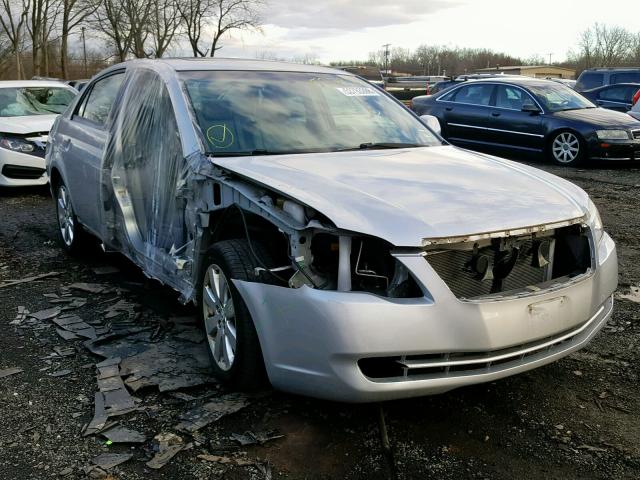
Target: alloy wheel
<point>565,148</point>
<point>66,220</point>
<point>219,317</point>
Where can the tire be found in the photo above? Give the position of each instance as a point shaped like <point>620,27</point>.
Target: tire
<point>238,363</point>
<point>566,148</point>
<point>72,236</point>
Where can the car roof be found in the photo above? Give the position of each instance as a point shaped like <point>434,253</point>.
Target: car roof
<point>33,83</point>
<point>515,80</point>
<point>230,64</point>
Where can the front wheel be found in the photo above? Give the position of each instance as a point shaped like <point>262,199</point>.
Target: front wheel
<point>234,348</point>
<point>566,149</point>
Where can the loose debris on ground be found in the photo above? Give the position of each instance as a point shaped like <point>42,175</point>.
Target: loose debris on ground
<point>104,375</point>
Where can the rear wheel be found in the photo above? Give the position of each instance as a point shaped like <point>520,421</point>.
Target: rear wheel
<point>234,348</point>
<point>566,149</point>
<point>71,234</point>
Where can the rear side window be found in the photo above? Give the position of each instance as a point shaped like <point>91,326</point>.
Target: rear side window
<point>626,77</point>
<point>98,102</point>
<point>473,94</point>
<point>590,80</point>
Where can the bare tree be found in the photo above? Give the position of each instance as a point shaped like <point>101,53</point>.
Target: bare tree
<point>138,14</point>
<point>13,18</point>
<point>74,13</point>
<point>234,15</point>
<point>165,22</point>
<point>194,15</point>
<point>111,20</point>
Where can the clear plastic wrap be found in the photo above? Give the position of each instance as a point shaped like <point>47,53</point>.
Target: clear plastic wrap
<point>145,182</point>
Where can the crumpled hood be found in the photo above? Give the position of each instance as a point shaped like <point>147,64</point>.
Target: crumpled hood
<point>600,118</point>
<point>28,124</point>
<point>405,196</point>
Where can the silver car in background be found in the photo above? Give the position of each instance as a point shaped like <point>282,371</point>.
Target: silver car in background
<point>330,239</point>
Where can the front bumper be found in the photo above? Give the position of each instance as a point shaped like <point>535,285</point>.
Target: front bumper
<point>312,340</point>
<point>615,150</point>
<point>21,169</point>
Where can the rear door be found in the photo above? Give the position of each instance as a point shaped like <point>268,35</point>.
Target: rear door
<point>508,125</point>
<point>83,138</point>
<point>617,97</point>
<point>465,112</point>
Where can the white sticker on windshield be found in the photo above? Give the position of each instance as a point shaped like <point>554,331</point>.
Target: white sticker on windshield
<point>358,91</point>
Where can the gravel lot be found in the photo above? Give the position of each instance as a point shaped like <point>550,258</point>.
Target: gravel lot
<point>576,418</point>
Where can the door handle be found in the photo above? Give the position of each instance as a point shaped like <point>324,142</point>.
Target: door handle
<point>495,114</point>
<point>448,109</point>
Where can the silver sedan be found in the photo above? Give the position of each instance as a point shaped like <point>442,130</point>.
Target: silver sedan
<point>333,242</point>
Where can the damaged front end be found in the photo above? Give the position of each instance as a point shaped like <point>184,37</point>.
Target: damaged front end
<point>502,264</point>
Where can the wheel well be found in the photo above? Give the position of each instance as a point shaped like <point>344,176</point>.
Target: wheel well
<point>55,178</point>
<point>228,224</point>
<point>551,135</point>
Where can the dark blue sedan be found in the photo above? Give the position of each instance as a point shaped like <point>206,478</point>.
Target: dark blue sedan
<point>618,96</point>
<point>529,114</point>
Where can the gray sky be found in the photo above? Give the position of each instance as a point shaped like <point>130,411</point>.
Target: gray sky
<point>341,29</point>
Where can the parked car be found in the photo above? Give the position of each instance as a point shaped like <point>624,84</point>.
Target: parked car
<point>78,84</point>
<point>614,97</point>
<point>528,114</point>
<point>598,77</point>
<point>327,235</point>
<point>27,111</point>
<point>564,81</point>
<point>439,86</point>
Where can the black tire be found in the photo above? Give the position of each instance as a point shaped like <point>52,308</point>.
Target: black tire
<point>561,148</point>
<point>235,260</point>
<point>71,235</point>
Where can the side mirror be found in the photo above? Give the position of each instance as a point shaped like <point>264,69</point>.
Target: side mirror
<point>530,107</point>
<point>432,122</point>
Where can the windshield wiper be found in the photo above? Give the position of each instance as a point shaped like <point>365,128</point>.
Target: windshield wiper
<point>374,145</point>
<point>380,146</point>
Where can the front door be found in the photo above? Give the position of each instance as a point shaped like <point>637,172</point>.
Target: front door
<point>509,125</point>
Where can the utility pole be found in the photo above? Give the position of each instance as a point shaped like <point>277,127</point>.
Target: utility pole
<point>84,51</point>
<point>386,58</point>
<point>550,54</point>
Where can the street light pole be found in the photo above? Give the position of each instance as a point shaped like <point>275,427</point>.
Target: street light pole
<point>84,50</point>
<point>386,58</point>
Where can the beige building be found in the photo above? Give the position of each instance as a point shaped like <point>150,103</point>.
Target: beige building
<point>537,71</point>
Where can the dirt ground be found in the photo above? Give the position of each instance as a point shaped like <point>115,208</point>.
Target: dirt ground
<point>576,418</point>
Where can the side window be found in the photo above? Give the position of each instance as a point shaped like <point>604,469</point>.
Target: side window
<point>626,77</point>
<point>615,94</point>
<point>97,104</point>
<point>474,94</point>
<point>511,97</point>
<point>448,97</point>
<point>590,80</point>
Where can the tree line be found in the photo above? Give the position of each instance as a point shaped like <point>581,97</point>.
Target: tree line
<point>35,35</point>
<point>597,46</point>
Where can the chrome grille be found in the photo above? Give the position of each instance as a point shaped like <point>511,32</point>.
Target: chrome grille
<point>453,267</point>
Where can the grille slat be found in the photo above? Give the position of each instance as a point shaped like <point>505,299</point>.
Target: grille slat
<point>453,267</point>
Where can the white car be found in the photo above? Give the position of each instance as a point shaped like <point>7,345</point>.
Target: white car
<point>27,112</point>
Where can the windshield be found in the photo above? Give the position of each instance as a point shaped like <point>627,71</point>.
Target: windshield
<point>289,112</point>
<point>556,97</point>
<point>23,101</point>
